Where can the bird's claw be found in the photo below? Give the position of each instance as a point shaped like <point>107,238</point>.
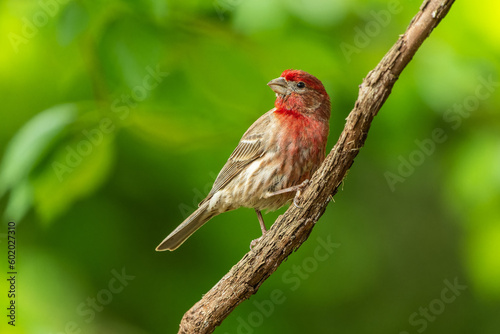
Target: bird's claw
<point>254,242</point>
<point>299,191</point>
<point>303,184</point>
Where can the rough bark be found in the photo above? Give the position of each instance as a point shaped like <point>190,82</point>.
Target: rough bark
<point>292,228</point>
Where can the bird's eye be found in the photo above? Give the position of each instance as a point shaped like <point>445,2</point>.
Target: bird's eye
<point>300,84</point>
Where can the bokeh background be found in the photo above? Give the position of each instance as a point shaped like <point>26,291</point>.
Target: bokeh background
<point>117,115</point>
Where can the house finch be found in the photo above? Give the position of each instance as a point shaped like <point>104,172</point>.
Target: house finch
<point>274,158</point>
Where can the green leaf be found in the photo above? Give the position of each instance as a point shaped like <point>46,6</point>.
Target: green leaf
<point>27,147</point>
<point>20,201</point>
<point>72,22</point>
<point>76,171</point>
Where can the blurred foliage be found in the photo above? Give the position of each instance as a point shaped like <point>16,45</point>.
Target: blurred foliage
<point>117,115</point>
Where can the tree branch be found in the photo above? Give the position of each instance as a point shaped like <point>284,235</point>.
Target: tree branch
<point>292,228</point>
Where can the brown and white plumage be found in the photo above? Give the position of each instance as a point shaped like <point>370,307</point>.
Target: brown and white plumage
<point>276,154</point>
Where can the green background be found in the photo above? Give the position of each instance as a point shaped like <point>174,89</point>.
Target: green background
<point>88,210</point>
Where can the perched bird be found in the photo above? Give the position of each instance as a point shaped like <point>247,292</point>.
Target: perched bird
<point>274,158</point>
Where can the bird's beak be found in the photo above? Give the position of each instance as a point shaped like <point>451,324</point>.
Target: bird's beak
<point>278,85</point>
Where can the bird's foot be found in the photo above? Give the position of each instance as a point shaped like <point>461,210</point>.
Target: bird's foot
<point>287,190</point>
<point>295,203</point>
<point>300,187</point>
<point>254,242</point>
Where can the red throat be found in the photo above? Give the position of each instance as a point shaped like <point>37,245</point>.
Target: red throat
<point>286,113</point>
<point>289,104</point>
<point>298,125</point>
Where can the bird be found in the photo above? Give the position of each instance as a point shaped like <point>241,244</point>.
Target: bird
<point>275,158</point>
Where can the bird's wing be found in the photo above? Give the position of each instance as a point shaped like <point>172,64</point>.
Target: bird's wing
<point>249,149</point>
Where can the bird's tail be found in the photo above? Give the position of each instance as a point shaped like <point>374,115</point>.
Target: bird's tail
<point>188,227</point>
